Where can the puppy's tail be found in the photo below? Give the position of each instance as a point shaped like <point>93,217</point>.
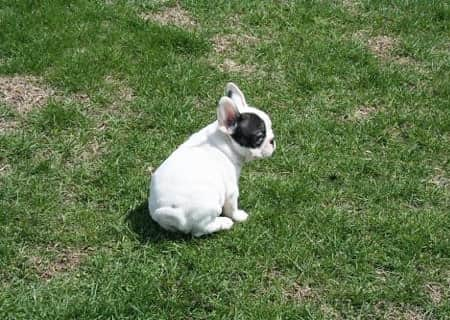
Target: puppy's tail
<point>172,219</point>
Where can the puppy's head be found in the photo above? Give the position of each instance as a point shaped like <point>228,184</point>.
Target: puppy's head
<point>249,129</point>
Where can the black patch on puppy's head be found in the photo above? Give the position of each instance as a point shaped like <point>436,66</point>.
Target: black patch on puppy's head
<point>250,130</point>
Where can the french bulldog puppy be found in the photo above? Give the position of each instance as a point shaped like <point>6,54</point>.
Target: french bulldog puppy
<point>195,190</point>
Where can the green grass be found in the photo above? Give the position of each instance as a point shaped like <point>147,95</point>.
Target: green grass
<point>349,219</point>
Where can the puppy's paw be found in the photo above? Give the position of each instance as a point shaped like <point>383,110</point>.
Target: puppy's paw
<point>240,216</point>
<point>225,223</point>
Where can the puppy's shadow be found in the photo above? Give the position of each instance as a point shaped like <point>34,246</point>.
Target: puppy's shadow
<point>147,230</point>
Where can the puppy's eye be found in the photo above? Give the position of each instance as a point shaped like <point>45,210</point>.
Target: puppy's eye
<point>272,141</point>
<point>259,140</point>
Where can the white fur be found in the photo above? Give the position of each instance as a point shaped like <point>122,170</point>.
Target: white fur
<point>199,180</point>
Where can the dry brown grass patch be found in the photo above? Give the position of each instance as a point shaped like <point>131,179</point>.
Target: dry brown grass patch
<point>352,6</point>
<point>274,274</point>
<point>382,46</point>
<point>171,16</point>
<point>291,289</point>
<point>364,112</point>
<point>63,260</point>
<point>435,292</point>
<point>440,179</point>
<point>122,92</point>
<point>229,65</point>
<point>404,60</point>
<point>198,103</point>
<point>329,312</point>
<point>299,292</point>
<point>4,169</point>
<point>92,151</point>
<point>228,46</point>
<point>24,92</point>
<point>232,42</point>
<point>361,113</point>
<point>81,98</point>
<point>85,155</point>
<point>390,311</point>
<point>7,125</point>
<point>382,274</point>
<point>395,133</point>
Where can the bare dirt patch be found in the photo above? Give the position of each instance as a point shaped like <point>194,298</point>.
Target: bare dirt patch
<point>63,260</point>
<point>24,92</point>
<point>171,16</point>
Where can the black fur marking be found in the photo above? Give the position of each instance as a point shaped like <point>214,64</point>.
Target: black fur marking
<point>250,131</point>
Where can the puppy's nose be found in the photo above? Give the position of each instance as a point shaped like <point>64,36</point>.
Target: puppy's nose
<point>272,142</point>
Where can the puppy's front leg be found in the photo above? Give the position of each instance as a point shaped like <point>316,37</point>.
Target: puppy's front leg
<point>230,209</point>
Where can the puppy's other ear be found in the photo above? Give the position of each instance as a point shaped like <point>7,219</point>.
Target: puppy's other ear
<point>227,115</point>
<point>232,91</point>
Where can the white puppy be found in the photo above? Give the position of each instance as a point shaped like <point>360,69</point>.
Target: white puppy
<point>199,180</point>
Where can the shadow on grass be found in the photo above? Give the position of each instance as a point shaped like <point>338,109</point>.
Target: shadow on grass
<point>147,230</point>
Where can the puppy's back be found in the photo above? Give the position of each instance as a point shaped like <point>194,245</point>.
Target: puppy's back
<point>189,177</point>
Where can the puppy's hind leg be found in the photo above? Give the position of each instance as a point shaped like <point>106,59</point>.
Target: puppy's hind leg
<point>171,219</point>
<point>219,223</point>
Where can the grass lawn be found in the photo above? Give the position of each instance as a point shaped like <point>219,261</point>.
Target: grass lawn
<point>349,219</point>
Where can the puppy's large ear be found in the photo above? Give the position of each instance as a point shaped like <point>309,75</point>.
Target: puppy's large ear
<point>227,115</point>
<point>232,91</point>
